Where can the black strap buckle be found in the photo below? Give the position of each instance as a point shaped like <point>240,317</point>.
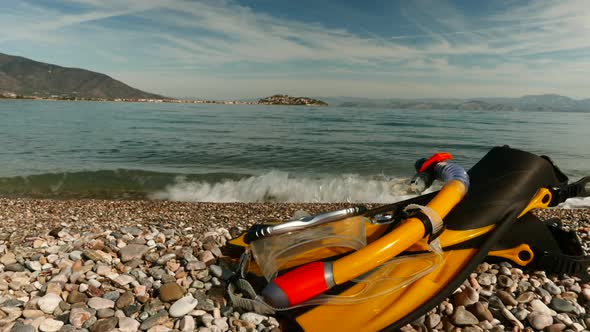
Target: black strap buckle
<point>431,230</point>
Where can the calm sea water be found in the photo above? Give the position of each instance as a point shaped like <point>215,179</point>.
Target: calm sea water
<point>257,153</point>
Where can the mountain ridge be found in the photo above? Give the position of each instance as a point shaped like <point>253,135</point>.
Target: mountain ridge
<point>540,102</point>
<point>27,77</point>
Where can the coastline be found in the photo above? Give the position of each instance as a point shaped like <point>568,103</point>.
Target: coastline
<point>55,232</point>
<point>284,100</point>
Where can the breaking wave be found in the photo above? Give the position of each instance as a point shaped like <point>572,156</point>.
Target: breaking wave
<point>278,186</point>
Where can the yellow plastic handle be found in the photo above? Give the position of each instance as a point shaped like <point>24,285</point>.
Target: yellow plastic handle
<point>521,254</point>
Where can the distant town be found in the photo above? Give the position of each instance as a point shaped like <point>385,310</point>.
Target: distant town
<point>272,100</point>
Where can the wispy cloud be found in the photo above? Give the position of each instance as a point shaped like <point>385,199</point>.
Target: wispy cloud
<point>212,46</point>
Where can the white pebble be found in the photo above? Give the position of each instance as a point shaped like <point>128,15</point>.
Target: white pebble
<point>50,325</point>
<point>183,306</point>
<point>49,303</point>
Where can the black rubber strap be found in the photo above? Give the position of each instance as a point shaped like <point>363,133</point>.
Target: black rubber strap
<point>428,224</point>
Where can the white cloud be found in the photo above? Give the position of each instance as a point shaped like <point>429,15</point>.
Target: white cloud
<point>508,51</point>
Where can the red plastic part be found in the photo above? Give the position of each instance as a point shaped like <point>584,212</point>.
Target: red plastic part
<point>303,283</point>
<point>436,158</point>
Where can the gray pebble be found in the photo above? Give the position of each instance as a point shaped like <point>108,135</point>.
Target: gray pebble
<point>561,305</point>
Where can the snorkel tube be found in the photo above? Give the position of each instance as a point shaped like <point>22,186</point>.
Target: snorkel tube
<point>312,279</point>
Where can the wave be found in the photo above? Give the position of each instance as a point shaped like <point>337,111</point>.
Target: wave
<point>576,203</point>
<point>273,186</point>
<point>104,184</point>
<point>279,186</point>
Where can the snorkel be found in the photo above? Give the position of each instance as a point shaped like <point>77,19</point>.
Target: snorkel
<point>312,279</point>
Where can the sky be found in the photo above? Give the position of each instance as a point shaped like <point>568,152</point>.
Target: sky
<point>235,49</point>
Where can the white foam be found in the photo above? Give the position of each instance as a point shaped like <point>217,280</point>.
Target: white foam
<point>278,186</point>
<point>575,203</point>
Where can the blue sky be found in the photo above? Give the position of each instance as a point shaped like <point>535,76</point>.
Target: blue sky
<point>375,48</point>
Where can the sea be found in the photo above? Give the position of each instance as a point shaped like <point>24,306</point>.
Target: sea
<point>257,153</point>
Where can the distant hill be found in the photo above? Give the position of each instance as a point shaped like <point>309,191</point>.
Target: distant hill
<point>544,102</point>
<point>22,76</point>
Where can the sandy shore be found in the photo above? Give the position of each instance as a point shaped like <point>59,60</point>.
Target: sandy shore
<point>182,242</point>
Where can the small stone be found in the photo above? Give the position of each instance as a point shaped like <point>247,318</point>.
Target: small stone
<point>104,325</point>
<point>539,320</point>
<point>207,320</point>
<point>432,320</point>
<point>486,279</point>
<point>485,325</point>
<point>187,323</point>
<point>221,323</point>
<point>33,265</point>
<point>8,258</point>
<point>94,291</point>
<point>100,303</point>
<point>467,297</point>
<point>481,312</point>
<point>508,315</point>
<point>78,316</point>
<point>540,307</point>
<point>77,297</point>
<point>462,317</point>
<point>170,292</point>
<point>524,286</point>
<point>12,303</point>
<point>506,298</point>
<point>165,258</point>
<point>521,314</point>
<point>561,305</point>
<point>216,270</point>
<point>49,303</point>
<point>545,295</point>
<point>253,318</point>
<point>578,327</point>
<point>50,325</point>
<point>98,256</point>
<point>525,297</point>
<point>552,288</point>
<point>123,279</point>
<point>183,306</point>
<point>157,319</point>
<point>564,319</point>
<point>103,270</point>
<point>39,243</point>
<point>16,267</point>
<point>75,255</point>
<point>505,281</point>
<point>89,322</point>
<point>133,230</point>
<point>112,295</point>
<point>105,313</point>
<point>131,309</point>
<point>195,266</point>
<point>132,251</point>
<point>30,313</point>
<point>19,327</point>
<point>13,314</point>
<point>125,300</point>
<point>127,324</point>
<point>206,257</point>
<point>555,327</point>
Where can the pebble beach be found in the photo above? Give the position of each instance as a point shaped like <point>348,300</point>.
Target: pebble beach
<point>99,265</point>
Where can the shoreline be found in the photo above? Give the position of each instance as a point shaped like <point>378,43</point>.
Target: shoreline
<point>63,267</point>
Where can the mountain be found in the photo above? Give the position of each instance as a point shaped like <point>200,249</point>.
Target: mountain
<point>22,76</point>
<point>544,102</point>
